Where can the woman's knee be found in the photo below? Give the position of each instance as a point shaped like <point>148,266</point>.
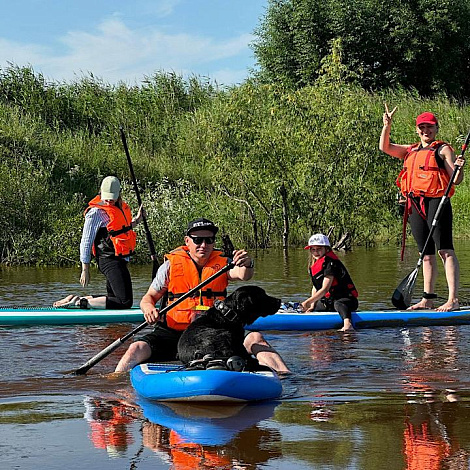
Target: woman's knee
<point>446,253</point>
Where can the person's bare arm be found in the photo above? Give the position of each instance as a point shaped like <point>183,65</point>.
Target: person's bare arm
<point>148,302</point>
<point>394,150</point>
<point>309,304</point>
<point>450,161</point>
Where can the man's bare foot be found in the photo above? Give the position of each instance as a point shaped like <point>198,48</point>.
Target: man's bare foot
<point>423,304</point>
<point>449,306</point>
<point>66,301</point>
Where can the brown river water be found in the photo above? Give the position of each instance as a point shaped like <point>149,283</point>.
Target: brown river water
<point>385,398</point>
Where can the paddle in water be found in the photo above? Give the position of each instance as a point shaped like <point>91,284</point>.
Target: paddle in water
<point>113,346</point>
<point>401,298</point>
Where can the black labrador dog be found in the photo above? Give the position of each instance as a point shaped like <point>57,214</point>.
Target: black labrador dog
<point>215,339</point>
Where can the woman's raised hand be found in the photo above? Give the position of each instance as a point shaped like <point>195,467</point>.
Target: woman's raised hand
<point>388,115</point>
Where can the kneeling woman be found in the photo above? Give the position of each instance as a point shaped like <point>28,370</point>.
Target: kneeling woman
<point>333,289</point>
<point>108,233</point>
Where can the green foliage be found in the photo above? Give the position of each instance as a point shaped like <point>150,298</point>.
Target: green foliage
<point>231,155</point>
<point>415,44</point>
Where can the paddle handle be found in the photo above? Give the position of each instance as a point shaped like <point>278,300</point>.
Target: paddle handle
<point>113,346</point>
<point>148,235</point>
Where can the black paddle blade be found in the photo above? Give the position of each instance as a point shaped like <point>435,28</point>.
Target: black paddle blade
<point>401,298</point>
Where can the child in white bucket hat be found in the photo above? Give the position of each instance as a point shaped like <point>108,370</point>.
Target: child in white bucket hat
<point>333,289</point>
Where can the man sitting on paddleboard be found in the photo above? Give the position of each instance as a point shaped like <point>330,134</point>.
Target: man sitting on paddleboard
<point>427,168</point>
<point>185,268</point>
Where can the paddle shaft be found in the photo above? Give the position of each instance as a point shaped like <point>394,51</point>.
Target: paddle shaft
<point>139,200</point>
<point>113,346</point>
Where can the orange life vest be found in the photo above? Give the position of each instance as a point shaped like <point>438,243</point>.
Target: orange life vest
<point>184,276</point>
<point>421,175</point>
<point>119,228</point>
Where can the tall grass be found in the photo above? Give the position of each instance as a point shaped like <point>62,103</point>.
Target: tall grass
<point>228,154</point>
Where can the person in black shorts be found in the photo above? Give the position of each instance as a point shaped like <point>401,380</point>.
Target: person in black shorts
<point>184,268</point>
<point>427,168</point>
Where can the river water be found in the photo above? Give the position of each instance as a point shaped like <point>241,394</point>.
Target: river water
<point>389,398</point>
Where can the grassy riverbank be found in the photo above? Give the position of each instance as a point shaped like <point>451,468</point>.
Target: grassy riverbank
<point>260,160</point>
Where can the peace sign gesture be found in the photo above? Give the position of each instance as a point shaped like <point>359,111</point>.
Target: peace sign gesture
<point>388,115</point>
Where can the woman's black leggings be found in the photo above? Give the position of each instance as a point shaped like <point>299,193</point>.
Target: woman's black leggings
<point>118,282</point>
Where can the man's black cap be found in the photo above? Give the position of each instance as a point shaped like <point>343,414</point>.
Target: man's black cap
<point>201,224</point>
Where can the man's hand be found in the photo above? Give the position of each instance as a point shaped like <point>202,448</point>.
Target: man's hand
<point>241,259</point>
<point>151,314</point>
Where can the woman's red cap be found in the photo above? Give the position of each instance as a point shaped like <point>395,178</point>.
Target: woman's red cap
<point>426,118</point>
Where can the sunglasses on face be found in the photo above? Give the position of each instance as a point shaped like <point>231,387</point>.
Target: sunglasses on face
<point>200,240</point>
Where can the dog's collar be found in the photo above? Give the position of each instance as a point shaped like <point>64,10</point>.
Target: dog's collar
<point>227,312</point>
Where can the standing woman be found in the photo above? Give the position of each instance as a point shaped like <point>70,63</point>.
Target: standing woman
<point>333,289</point>
<point>108,234</point>
<point>427,168</point>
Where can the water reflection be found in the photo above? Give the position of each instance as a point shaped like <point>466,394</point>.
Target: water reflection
<point>431,359</point>
<point>429,440</point>
<point>189,436</point>
<point>109,425</point>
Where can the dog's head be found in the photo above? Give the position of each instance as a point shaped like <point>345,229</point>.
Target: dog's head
<point>248,303</point>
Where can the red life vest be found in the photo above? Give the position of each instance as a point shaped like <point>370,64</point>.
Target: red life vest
<point>184,276</point>
<point>119,228</point>
<point>421,175</point>
<point>342,285</point>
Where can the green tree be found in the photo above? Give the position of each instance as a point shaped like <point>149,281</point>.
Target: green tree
<point>384,43</point>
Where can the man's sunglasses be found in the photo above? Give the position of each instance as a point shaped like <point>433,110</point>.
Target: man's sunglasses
<point>200,240</point>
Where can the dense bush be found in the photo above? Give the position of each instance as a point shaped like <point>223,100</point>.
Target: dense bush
<point>268,164</point>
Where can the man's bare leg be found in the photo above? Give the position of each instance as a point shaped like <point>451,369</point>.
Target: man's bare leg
<point>267,356</point>
<point>137,353</point>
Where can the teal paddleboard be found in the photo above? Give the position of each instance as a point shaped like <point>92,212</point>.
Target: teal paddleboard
<point>17,316</point>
